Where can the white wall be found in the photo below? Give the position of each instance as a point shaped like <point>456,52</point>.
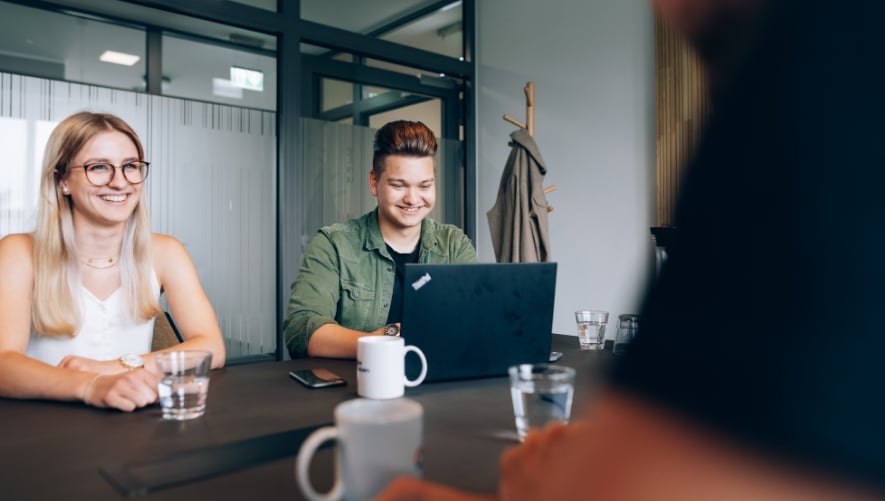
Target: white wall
<point>593,64</point>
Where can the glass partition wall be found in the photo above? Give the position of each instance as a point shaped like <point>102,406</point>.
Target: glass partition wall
<point>257,115</point>
<point>211,186</point>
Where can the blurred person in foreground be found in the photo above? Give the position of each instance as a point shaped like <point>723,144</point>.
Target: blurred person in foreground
<point>78,296</point>
<point>758,371</point>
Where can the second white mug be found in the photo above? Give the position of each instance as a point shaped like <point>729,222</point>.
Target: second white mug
<point>380,367</point>
<point>378,440</point>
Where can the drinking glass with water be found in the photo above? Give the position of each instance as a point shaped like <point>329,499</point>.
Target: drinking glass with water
<point>541,394</point>
<point>184,384</point>
<point>591,328</point>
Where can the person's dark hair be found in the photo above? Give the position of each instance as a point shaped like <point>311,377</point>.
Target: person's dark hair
<point>402,137</point>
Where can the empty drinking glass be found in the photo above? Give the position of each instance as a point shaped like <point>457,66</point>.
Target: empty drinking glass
<point>628,328</point>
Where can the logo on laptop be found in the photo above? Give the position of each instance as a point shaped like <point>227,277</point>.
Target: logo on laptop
<point>417,284</point>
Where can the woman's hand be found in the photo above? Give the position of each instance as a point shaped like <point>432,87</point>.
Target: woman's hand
<point>126,391</point>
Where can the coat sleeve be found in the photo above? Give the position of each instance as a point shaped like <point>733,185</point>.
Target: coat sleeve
<point>504,217</point>
<point>315,295</point>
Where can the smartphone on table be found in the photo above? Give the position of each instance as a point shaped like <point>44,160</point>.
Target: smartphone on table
<point>317,378</point>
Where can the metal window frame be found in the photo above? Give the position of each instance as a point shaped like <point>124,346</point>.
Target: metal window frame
<point>291,31</point>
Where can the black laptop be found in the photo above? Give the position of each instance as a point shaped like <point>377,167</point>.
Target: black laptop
<point>476,320</point>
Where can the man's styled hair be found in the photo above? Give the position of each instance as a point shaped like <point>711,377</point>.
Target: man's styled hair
<point>402,137</point>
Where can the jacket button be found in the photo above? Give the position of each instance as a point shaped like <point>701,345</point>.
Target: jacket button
<point>390,268</point>
<point>385,305</point>
<point>356,294</point>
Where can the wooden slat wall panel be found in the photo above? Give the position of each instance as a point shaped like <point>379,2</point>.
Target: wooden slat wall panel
<point>681,102</point>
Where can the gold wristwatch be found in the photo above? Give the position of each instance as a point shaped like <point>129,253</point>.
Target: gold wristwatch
<point>132,361</point>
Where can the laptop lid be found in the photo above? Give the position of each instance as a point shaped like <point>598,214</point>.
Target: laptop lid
<point>477,319</point>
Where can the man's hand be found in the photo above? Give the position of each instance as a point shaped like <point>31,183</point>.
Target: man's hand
<point>550,464</point>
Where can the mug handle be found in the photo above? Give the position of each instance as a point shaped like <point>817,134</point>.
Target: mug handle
<point>302,465</point>
<point>415,382</point>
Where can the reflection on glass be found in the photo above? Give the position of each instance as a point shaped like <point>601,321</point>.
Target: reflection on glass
<point>429,25</point>
<point>203,71</point>
<point>335,94</point>
<point>63,47</point>
<point>261,4</point>
<point>428,111</point>
<point>318,50</point>
<point>378,105</point>
<point>22,142</point>
<point>439,80</point>
<point>15,215</point>
<point>440,32</point>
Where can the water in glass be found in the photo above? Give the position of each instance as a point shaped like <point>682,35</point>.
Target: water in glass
<point>183,397</point>
<point>591,335</point>
<point>541,394</point>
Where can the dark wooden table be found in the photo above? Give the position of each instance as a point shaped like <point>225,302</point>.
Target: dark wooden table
<point>52,450</point>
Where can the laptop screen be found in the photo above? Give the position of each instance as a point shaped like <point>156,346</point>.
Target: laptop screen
<point>476,320</point>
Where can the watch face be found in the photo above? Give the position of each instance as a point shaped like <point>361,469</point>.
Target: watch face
<point>391,330</point>
<point>132,361</point>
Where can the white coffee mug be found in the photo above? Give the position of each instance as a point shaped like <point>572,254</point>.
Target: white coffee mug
<point>381,367</point>
<point>378,440</point>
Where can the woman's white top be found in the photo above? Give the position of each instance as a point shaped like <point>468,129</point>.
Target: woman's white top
<point>107,331</point>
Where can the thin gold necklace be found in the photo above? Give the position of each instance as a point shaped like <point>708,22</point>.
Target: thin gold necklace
<point>100,263</point>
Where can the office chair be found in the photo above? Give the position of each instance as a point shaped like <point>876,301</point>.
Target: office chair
<point>165,333</point>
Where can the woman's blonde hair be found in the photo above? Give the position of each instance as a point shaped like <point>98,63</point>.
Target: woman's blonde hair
<point>56,263</point>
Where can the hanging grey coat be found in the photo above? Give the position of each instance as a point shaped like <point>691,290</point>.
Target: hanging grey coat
<point>518,221</point>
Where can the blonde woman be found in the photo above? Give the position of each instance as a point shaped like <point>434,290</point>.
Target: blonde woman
<point>78,296</point>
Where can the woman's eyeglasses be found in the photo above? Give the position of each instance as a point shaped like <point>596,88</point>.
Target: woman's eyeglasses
<point>102,173</point>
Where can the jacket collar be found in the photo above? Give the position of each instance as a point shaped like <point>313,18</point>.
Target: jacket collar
<point>375,241</point>
<point>522,138</point>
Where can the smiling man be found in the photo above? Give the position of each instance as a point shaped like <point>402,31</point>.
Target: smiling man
<point>351,280</point>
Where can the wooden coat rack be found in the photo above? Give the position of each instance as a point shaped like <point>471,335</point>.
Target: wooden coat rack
<point>529,110</point>
<point>530,123</point>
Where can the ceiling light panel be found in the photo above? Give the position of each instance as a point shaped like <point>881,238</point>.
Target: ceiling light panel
<point>110,56</point>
